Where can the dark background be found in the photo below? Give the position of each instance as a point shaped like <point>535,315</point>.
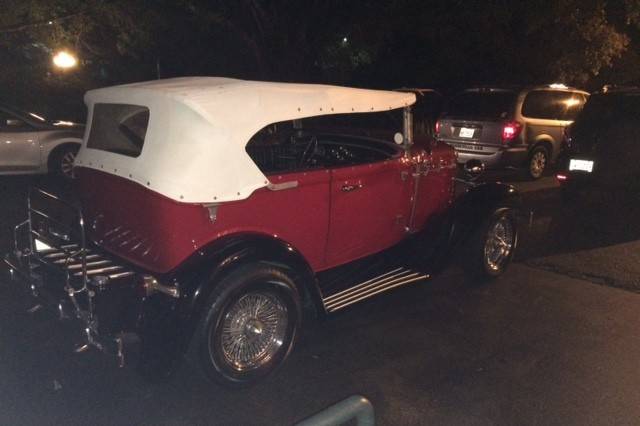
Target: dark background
<point>445,44</point>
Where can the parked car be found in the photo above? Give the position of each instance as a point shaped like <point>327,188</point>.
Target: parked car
<point>510,127</point>
<point>216,213</point>
<point>32,144</point>
<point>602,146</point>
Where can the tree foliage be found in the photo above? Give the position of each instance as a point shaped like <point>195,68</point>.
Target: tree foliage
<point>362,42</point>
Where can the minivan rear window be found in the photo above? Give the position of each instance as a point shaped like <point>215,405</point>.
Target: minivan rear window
<point>119,128</point>
<point>491,105</point>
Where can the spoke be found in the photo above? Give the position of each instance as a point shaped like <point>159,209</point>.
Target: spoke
<point>252,330</point>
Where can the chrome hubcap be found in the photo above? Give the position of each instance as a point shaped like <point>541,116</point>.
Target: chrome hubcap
<point>499,243</point>
<point>66,164</point>
<point>253,330</point>
<point>538,162</point>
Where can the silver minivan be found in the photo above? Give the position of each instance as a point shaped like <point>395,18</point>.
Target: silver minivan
<point>510,127</point>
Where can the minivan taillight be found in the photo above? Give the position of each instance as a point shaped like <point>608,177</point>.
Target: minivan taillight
<point>510,131</point>
<point>437,128</point>
<point>566,138</point>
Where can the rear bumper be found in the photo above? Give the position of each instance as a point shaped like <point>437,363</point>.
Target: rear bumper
<point>501,158</point>
<point>106,297</point>
<point>58,275</point>
<point>73,308</point>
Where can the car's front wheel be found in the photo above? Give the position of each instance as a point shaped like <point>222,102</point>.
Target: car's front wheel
<point>250,326</point>
<point>492,247</point>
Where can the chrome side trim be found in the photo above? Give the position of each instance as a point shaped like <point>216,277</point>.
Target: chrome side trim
<point>65,260</point>
<point>282,186</point>
<point>100,270</point>
<point>392,273</point>
<point>385,282</point>
<point>121,275</point>
<point>89,264</point>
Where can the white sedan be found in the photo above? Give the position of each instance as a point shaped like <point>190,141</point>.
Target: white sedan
<point>31,144</point>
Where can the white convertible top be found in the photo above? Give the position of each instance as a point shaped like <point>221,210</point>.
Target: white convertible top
<point>194,149</point>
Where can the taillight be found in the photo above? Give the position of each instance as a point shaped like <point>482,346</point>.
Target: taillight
<point>437,127</point>
<point>566,137</point>
<point>561,177</point>
<point>510,131</point>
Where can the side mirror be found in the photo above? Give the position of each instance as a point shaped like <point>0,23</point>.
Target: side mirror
<point>474,168</point>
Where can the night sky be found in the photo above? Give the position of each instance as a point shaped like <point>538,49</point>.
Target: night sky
<point>439,44</point>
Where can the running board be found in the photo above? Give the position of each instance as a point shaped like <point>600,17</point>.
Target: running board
<point>374,286</point>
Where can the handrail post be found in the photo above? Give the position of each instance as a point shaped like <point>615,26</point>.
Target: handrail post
<point>355,407</point>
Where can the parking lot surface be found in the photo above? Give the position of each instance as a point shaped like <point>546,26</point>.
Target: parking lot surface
<point>534,347</point>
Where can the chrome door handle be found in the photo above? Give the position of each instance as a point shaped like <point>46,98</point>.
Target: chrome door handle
<point>349,188</point>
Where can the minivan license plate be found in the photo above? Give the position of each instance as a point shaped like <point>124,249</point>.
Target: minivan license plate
<point>466,132</point>
<point>581,165</point>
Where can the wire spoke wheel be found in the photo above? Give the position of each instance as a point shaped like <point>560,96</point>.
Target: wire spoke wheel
<point>250,326</point>
<point>499,243</point>
<point>253,329</point>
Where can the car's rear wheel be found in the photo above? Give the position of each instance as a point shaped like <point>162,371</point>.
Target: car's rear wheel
<point>61,160</point>
<point>492,247</point>
<point>538,161</point>
<point>250,326</point>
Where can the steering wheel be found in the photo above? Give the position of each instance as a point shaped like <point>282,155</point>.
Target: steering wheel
<point>309,151</point>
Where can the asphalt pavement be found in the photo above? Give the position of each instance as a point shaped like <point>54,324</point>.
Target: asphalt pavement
<point>536,346</point>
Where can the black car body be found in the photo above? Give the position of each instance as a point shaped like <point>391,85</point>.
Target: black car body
<point>602,147</point>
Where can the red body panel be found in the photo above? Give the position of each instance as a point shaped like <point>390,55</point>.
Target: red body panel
<point>158,233</point>
<point>435,188</point>
<point>370,206</point>
<point>329,226</point>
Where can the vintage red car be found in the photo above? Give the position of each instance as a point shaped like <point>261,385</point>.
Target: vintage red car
<point>214,214</point>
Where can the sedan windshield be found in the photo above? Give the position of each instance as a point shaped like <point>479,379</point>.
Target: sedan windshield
<point>24,115</point>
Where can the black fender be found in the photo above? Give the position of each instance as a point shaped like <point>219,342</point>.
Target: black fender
<point>471,209</point>
<point>167,325</point>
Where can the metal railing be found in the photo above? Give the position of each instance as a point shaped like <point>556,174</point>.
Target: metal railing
<point>55,231</point>
<point>65,243</point>
<point>355,407</point>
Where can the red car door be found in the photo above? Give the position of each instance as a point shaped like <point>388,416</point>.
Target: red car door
<point>370,208</point>
<point>436,168</point>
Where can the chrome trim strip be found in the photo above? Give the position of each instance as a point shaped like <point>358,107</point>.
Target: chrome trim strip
<point>62,261</point>
<point>382,290</point>
<point>282,186</point>
<point>55,255</point>
<point>89,264</point>
<point>372,287</point>
<point>99,271</point>
<point>395,273</point>
<point>111,231</point>
<point>121,275</point>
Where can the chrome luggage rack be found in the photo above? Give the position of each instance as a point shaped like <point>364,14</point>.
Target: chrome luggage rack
<point>46,242</point>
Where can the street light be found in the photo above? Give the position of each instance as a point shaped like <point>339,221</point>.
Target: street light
<point>64,60</point>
